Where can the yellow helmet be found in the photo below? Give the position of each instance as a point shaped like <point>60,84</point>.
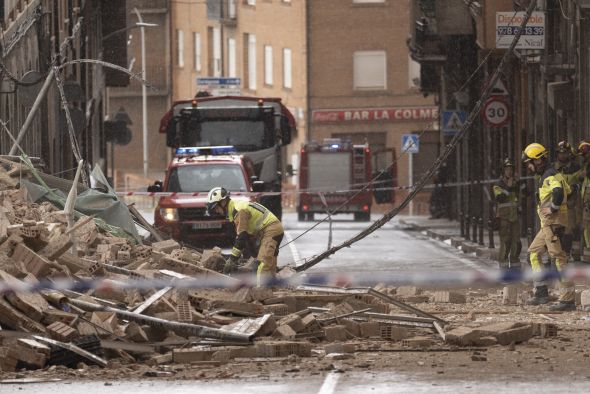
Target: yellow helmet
<point>533,151</point>
<point>583,148</point>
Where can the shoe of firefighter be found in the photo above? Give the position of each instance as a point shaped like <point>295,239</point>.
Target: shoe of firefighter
<point>541,296</point>
<point>563,306</point>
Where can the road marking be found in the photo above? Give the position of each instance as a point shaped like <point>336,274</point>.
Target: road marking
<point>329,385</point>
<point>293,249</point>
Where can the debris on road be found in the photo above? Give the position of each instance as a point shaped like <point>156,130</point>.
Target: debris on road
<point>151,330</point>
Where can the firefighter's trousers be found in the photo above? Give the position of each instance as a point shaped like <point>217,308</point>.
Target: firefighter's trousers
<point>548,240</point>
<point>586,241</point>
<point>270,239</point>
<point>510,245</point>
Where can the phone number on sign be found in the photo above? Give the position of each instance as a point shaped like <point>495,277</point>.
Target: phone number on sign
<point>513,30</point>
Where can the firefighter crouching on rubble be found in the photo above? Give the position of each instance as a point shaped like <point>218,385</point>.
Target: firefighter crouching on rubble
<point>552,211</point>
<point>570,170</point>
<point>251,220</point>
<point>506,194</point>
<point>584,151</point>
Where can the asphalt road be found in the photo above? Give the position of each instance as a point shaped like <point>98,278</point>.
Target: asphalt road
<point>391,248</point>
<point>356,382</point>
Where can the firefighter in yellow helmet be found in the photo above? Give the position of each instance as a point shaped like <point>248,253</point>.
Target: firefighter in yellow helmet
<point>552,211</point>
<point>251,220</point>
<point>570,169</point>
<point>506,194</point>
<point>584,152</point>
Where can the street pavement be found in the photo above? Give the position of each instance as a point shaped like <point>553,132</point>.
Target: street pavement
<point>394,247</point>
<point>329,383</point>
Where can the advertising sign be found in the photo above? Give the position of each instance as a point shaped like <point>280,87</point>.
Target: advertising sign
<point>508,24</point>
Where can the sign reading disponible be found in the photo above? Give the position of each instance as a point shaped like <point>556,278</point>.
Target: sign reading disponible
<point>508,25</point>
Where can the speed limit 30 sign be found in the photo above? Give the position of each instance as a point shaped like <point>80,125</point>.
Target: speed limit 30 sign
<point>495,112</point>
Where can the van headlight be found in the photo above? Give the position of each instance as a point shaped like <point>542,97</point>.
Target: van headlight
<point>169,214</point>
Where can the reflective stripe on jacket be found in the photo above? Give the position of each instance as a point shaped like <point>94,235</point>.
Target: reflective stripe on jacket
<point>255,216</point>
<point>550,180</point>
<point>508,208</point>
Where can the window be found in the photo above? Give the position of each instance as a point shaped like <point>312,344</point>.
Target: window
<point>197,59</point>
<point>413,73</point>
<point>287,69</point>
<point>180,48</point>
<point>251,2</point>
<point>268,65</point>
<point>231,57</point>
<point>216,52</point>
<point>370,70</point>
<point>251,62</point>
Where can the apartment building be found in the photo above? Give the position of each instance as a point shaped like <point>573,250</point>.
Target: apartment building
<point>341,66</point>
<point>127,159</point>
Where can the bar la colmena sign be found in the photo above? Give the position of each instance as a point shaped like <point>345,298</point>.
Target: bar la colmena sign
<point>392,114</point>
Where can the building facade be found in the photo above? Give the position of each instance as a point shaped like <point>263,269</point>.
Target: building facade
<point>35,33</point>
<point>127,158</point>
<point>544,87</point>
<point>342,68</point>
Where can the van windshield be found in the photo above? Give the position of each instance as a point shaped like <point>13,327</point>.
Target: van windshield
<point>202,178</point>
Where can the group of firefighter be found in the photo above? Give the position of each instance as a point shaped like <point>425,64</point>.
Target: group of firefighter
<point>562,195</point>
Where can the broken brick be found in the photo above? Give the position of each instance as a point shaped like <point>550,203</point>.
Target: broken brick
<point>370,330</point>
<point>189,355</point>
<point>294,321</point>
<point>61,331</point>
<point>335,333</point>
<point>449,297</point>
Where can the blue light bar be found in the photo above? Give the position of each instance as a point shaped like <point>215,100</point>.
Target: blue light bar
<point>206,150</point>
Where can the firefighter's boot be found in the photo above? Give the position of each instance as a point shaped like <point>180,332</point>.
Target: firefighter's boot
<point>563,306</point>
<point>541,296</point>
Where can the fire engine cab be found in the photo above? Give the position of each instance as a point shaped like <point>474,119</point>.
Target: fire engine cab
<point>331,174</point>
<point>192,173</point>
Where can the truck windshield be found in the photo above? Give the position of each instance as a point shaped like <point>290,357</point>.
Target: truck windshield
<point>245,136</point>
<point>202,178</point>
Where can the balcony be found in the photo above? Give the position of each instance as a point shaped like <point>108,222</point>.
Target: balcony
<point>223,11</point>
<point>485,20</point>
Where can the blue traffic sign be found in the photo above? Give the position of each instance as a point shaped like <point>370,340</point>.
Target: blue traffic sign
<point>218,81</point>
<point>410,143</point>
<point>453,121</point>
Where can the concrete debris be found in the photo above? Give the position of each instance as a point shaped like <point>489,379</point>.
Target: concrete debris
<point>201,327</point>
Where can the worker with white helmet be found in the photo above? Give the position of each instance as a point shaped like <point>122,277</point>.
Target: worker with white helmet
<point>251,219</point>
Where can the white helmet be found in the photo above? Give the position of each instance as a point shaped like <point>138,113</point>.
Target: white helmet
<point>215,195</point>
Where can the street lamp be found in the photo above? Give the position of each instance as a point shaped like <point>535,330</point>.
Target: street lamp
<point>141,25</point>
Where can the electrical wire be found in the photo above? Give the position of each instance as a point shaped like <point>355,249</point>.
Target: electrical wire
<point>439,160</point>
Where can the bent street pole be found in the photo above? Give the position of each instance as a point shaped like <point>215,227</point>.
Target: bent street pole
<point>143,95</point>
<point>33,111</point>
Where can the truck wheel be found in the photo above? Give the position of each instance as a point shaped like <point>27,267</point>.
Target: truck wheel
<point>362,216</point>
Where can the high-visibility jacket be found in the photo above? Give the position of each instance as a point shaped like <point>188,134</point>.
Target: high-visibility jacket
<point>571,174</point>
<point>249,216</point>
<point>586,194</point>
<point>507,200</point>
<point>550,180</point>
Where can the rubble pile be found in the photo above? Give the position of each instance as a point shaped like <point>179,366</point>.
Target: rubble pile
<point>112,324</point>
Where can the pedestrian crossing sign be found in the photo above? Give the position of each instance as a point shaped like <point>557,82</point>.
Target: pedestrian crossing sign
<point>410,143</point>
<point>452,121</point>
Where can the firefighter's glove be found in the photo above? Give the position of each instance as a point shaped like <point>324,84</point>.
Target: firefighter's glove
<point>231,265</point>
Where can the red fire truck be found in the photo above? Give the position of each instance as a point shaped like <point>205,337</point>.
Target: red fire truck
<point>256,127</point>
<point>332,173</point>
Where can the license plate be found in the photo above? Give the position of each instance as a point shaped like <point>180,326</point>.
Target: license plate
<point>206,225</point>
